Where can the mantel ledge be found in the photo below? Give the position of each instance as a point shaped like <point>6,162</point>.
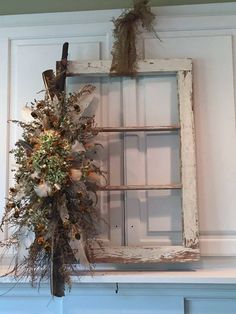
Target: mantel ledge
<point>206,276</point>
<point>209,276</point>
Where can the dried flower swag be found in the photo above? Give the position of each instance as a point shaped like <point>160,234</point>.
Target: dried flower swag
<point>54,197</point>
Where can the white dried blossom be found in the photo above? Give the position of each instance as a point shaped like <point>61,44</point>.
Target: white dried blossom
<point>43,189</point>
<point>26,115</point>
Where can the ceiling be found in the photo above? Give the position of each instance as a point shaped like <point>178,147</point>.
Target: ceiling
<point>43,6</point>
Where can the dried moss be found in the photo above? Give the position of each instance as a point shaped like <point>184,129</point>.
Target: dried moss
<point>127,27</point>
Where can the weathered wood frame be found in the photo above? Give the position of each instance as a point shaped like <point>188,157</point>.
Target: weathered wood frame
<point>189,251</point>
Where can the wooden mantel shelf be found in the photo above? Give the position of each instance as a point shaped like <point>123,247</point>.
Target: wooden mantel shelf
<point>209,276</point>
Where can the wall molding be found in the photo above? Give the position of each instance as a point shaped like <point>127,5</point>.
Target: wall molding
<point>170,18</point>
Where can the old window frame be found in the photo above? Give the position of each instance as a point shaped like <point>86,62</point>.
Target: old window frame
<point>189,250</point>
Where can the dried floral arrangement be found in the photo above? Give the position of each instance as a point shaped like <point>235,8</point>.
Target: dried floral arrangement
<point>126,28</point>
<point>54,197</point>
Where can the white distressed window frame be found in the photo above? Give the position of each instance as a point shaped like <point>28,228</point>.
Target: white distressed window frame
<point>189,250</point>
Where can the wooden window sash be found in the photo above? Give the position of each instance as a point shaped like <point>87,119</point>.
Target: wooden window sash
<point>189,250</point>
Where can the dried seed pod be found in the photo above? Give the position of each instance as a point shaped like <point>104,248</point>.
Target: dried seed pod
<point>13,190</point>
<point>75,174</point>
<point>47,247</point>
<point>40,228</point>
<point>16,213</point>
<point>66,223</point>
<point>34,114</point>
<point>77,236</point>
<point>10,205</point>
<point>41,240</point>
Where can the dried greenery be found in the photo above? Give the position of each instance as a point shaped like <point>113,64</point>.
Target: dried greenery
<point>54,197</point>
<point>127,27</point>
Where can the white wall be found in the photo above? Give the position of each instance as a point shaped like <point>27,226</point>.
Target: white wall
<point>31,44</point>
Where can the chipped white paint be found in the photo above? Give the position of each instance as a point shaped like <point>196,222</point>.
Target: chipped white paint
<point>150,66</point>
<point>190,249</point>
<point>138,254</point>
<point>188,160</point>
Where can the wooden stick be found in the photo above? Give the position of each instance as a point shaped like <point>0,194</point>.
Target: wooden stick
<point>61,69</point>
<point>55,85</point>
<point>49,83</point>
<point>141,187</point>
<point>57,258</point>
<point>138,128</point>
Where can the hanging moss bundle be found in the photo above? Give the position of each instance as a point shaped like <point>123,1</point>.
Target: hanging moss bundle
<point>125,33</point>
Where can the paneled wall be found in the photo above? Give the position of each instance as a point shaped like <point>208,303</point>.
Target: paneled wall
<point>31,44</point>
